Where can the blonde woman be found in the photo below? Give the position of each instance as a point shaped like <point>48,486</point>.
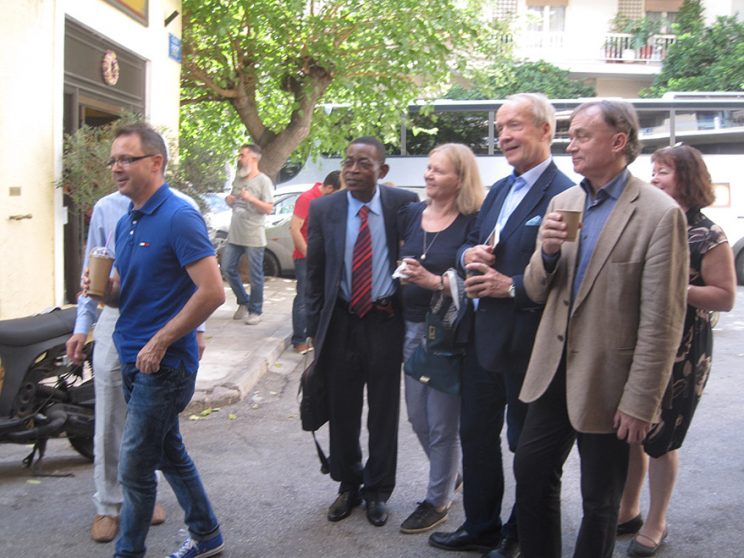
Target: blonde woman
<point>432,232</point>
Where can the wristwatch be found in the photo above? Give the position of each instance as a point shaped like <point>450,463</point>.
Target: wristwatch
<point>510,291</point>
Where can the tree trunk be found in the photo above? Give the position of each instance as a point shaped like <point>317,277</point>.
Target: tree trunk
<point>277,148</point>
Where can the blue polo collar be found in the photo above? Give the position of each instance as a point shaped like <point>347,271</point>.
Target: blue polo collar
<point>155,201</point>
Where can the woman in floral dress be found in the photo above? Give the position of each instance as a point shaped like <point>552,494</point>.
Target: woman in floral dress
<point>681,173</point>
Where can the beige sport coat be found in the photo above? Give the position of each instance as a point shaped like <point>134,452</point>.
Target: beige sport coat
<point>625,325</point>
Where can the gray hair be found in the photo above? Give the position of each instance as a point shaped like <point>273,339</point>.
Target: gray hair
<point>542,111</point>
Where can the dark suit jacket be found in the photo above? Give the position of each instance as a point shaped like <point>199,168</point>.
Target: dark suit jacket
<point>326,239</point>
<point>506,326</point>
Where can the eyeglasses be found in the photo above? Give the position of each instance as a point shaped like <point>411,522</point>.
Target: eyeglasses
<point>126,160</point>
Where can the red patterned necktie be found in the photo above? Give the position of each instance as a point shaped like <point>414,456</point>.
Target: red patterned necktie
<point>361,268</point>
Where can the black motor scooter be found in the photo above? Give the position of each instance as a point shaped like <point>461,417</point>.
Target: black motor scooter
<point>42,394</point>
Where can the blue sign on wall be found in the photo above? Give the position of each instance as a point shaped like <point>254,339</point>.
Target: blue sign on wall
<point>174,47</point>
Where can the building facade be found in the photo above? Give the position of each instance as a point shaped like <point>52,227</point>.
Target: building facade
<point>617,46</point>
<point>65,63</point>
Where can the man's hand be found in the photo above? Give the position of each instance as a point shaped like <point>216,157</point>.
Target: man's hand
<point>148,359</point>
<point>481,253</point>
<point>230,199</point>
<point>553,233</point>
<point>488,282</point>
<point>110,296</point>
<point>245,195</point>
<point>201,343</point>
<point>85,285</point>
<point>74,346</point>
<point>630,429</point>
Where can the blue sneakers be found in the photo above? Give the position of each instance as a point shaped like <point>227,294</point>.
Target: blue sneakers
<point>200,549</point>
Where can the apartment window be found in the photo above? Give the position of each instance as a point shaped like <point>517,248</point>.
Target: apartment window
<point>664,11</point>
<point>546,19</point>
<point>666,19</point>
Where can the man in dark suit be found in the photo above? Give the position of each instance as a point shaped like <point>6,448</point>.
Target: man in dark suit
<point>356,326</point>
<point>504,320</point>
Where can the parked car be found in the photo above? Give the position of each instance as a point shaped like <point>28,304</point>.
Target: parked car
<point>278,253</point>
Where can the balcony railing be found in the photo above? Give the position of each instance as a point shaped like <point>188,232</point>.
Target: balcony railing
<point>619,47</point>
<point>541,40</point>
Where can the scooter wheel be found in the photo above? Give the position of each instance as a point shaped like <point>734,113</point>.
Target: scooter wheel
<point>83,445</point>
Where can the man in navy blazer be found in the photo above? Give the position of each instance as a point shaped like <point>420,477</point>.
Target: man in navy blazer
<point>503,321</point>
<point>357,345</point>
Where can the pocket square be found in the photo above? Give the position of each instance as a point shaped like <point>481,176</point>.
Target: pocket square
<point>535,221</point>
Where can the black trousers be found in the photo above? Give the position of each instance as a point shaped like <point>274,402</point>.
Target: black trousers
<point>486,396</point>
<point>360,352</point>
<point>547,439</point>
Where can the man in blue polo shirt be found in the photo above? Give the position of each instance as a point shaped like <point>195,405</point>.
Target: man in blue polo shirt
<point>166,283</point>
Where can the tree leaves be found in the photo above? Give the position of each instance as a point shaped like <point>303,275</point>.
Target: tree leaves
<point>276,62</point>
<point>709,59</point>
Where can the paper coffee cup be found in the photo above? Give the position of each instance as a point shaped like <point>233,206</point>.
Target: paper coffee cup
<point>99,270</point>
<point>573,223</point>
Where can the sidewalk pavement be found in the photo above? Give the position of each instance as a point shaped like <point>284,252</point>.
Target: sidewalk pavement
<point>238,355</point>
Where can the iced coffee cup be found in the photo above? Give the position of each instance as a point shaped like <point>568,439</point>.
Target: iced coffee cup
<point>99,269</point>
<point>573,223</point>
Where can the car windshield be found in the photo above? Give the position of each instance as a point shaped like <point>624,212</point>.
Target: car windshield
<point>284,204</point>
<point>215,202</point>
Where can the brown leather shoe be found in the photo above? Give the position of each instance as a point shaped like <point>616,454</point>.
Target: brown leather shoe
<point>158,514</point>
<point>302,348</point>
<point>104,528</point>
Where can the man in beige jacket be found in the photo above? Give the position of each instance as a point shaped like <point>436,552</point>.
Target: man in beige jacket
<point>614,309</point>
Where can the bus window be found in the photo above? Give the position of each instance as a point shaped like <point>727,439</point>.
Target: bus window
<point>424,132</point>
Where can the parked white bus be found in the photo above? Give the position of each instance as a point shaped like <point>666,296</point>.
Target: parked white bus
<point>711,122</point>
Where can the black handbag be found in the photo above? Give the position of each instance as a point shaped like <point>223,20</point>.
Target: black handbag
<point>437,362</point>
<point>313,394</point>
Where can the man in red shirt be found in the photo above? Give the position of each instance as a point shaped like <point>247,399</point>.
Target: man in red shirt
<point>298,230</point>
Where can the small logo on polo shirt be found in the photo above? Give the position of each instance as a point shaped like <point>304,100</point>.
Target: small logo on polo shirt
<point>144,244</point>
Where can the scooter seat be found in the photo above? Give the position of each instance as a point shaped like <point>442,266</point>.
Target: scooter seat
<point>27,331</point>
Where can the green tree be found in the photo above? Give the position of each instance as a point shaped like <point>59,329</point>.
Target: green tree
<point>504,78</point>
<point>274,62</point>
<point>690,18</point>
<point>711,59</point>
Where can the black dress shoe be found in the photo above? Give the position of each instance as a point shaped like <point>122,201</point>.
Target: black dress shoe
<point>508,548</point>
<point>343,504</point>
<point>377,513</point>
<point>462,540</point>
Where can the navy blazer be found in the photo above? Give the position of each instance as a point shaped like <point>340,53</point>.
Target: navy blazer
<point>326,239</point>
<point>505,326</point>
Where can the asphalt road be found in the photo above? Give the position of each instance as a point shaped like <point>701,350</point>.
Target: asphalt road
<point>262,474</point>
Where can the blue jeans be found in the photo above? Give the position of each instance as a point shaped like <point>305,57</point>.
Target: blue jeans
<point>152,440</point>
<point>299,319</point>
<point>231,265</point>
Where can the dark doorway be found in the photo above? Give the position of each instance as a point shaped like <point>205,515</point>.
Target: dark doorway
<point>90,101</point>
<point>79,112</point>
